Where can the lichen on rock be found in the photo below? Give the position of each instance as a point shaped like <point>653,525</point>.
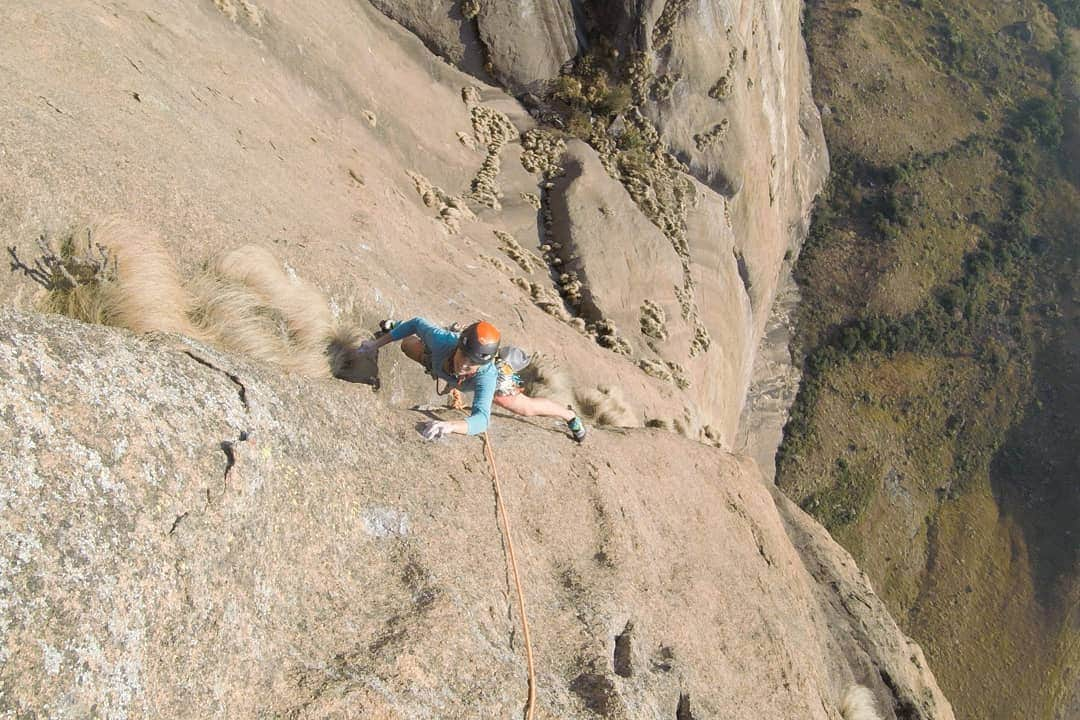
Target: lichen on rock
<point>653,320</point>
<point>542,150</point>
<point>451,210</point>
<point>526,260</point>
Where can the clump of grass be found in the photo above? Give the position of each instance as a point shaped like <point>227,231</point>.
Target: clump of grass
<point>247,301</point>
<point>605,405</point>
<point>114,273</point>
<point>859,704</point>
<point>543,377</point>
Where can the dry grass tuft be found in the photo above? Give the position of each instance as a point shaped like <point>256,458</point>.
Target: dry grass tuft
<point>544,378</point>
<point>114,273</point>
<point>305,311</point>
<point>249,303</point>
<point>238,318</point>
<point>859,704</point>
<point>605,405</point>
<point>136,286</point>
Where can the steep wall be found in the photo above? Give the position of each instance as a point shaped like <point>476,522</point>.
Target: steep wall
<point>189,534</point>
<point>185,534</point>
<point>726,86</point>
<point>332,135</point>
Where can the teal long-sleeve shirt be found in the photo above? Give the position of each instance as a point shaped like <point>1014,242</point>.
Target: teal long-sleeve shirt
<point>441,344</point>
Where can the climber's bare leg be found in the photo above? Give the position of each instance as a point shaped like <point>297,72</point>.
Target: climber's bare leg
<point>521,404</point>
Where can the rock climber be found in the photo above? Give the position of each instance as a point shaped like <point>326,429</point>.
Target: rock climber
<point>470,360</point>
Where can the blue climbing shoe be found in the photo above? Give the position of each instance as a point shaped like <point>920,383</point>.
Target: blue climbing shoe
<point>577,428</point>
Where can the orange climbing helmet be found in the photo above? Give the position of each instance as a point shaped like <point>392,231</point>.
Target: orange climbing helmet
<point>479,342</point>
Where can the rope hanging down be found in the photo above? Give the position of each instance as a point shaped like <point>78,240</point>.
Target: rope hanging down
<point>531,702</point>
<point>455,402</point>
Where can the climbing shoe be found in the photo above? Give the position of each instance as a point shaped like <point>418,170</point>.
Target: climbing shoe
<point>577,428</point>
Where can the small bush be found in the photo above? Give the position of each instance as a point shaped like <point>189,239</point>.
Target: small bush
<point>1037,119</point>
<point>614,100</point>
<point>568,89</point>
<point>951,298</point>
<point>631,139</point>
<point>579,124</point>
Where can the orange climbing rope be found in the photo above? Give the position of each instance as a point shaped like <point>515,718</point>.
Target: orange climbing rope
<point>531,702</point>
<point>455,402</point>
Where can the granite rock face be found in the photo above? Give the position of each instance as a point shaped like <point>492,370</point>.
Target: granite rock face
<point>185,534</point>
<point>527,42</point>
<point>292,136</point>
<point>727,88</point>
<point>443,28</point>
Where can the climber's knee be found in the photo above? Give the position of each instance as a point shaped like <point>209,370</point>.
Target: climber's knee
<point>415,350</point>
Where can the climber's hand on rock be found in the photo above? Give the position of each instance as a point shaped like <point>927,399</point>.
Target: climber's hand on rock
<point>434,429</point>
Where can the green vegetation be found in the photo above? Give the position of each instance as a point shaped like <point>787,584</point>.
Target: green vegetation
<point>593,91</point>
<point>1068,11</point>
<point>844,497</point>
<point>932,432</point>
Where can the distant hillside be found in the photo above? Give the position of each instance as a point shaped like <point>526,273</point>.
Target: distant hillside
<point>935,433</point>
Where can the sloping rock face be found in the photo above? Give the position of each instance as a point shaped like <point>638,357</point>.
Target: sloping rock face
<point>184,534</point>
<point>325,132</point>
<point>727,87</point>
<point>774,385</point>
<point>528,41</point>
<point>444,28</point>
<point>228,123</point>
<point>187,534</point>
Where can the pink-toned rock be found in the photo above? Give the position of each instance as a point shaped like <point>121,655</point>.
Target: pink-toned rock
<point>185,534</point>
